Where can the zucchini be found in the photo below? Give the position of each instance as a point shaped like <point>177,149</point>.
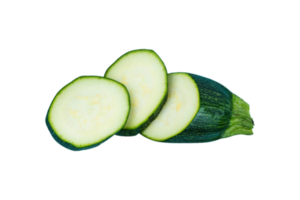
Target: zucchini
<point>145,77</point>
<point>88,111</point>
<point>199,109</point>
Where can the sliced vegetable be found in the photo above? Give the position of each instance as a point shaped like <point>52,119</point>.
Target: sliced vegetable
<point>199,109</point>
<point>145,77</point>
<point>88,111</point>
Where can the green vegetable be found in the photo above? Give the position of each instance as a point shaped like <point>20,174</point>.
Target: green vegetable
<point>199,109</point>
<point>145,77</point>
<point>88,111</point>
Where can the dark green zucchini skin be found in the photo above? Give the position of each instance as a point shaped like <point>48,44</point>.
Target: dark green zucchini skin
<point>214,115</point>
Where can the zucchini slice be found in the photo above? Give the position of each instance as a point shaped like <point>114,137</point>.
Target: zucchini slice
<point>199,109</point>
<point>145,77</point>
<point>88,111</point>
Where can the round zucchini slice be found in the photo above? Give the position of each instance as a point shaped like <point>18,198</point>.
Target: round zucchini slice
<point>88,111</point>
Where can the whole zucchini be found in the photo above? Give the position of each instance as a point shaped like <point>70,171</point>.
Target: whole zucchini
<point>199,109</point>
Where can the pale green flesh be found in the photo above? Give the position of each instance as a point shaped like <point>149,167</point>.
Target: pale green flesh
<point>144,75</point>
<point>89,110</point>
<point>180,109</point>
